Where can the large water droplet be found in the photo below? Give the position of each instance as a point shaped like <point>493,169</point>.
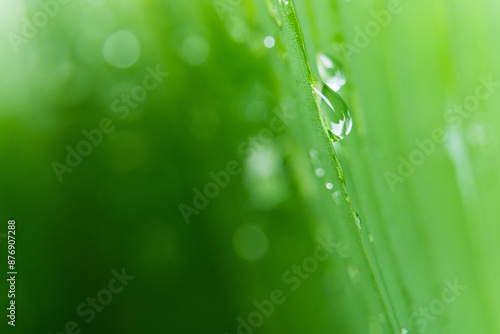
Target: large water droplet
<point>330,71</point>
<point>333,109</point>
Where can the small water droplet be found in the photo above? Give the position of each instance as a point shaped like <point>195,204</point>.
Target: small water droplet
<point>330,72</point>
<point>358,221</point>
<point>370,236</point>
<point>329,185</point>
<point>404,331</point>
<point>314,155</point>
<point>353,273</point>
<point>337,197</point>
<point>320,172</point>
<point>340,172</point>
<point>269,42</point>
<point>273,12</point>
<point>333,109</point>
<point>347,198</point>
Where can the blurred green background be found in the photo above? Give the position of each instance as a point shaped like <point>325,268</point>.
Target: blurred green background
<point>180,141</point>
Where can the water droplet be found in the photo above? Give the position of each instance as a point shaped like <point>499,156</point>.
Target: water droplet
<point>333,109</point>
<point>250,242</point>
<point>404,331</point>
<point>195,50</point>
<point>238,30</point>
<point>314,155</point>
<point>269,42</point>
<point>273,12</point>
<point>347,198</point>
<point>320,172</point>
<point>330,72</point>
<point>263,177</point>
<point>121,49</point>
<point>329,185</point>
<point>337,197</point>
<point>370,236</point>
<point>358,221</point>
<point>353,273</point>
<point>340,172</point>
